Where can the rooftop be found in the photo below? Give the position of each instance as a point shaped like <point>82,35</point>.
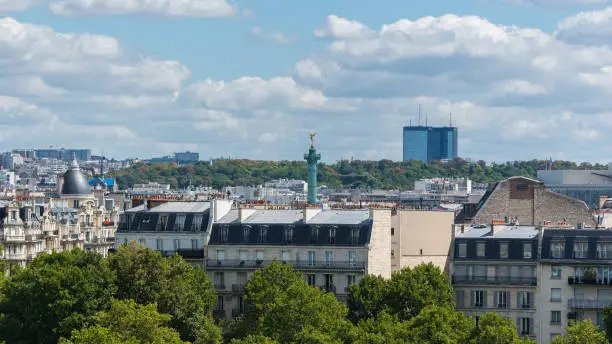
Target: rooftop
<point>500,232</point>
<point>173,207</point>
<point>345,217</point>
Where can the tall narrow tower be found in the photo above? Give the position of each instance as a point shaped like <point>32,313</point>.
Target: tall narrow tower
<point>312,158</point>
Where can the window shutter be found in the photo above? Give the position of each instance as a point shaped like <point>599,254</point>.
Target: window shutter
<point>531,300</point>
<point>518,299</point>
<point>472,296</point>
<point>486,296</point>
<point>508,299</point>
<point>495,298</point>
<point>531,326</point>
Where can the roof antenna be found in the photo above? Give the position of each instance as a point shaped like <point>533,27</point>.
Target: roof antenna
<point>419,114</point>
<point>426,117</point>
<point>450,118</point>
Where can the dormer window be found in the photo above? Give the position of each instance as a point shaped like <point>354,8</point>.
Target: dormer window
<point>246,232</point>
<point>288,234</point>
<point>263,234</point>
<point>224,233</point>
<point>332,235</point>
<point>354,239</point>
<point>314,234</point>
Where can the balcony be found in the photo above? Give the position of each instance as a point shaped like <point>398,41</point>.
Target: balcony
<point>298,265</point>
<point>237,312</point>
<point>494,280</point>
<point>187,254</point>
<point>574,280</point>
<point>588,303</point>
<point>219,313</point>
<point>13,238</point>
<point>219,285</point>
<point>238,288</point>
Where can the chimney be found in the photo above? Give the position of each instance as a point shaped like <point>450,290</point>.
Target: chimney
<point>602,200</point>
<point>309,213</point>
<point>244,213</point>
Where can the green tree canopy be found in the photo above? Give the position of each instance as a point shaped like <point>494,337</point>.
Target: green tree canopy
<point>283,307</point>
<point>495,329</point>
<point>367,298</point>
<point>383,328</point>
<point>407,293</point>
<point>127,322</point>
<point>175,286</point>
<point>254,339</point>
<point>54,295</point>
<point>440,325</point>
<point>582,332</point>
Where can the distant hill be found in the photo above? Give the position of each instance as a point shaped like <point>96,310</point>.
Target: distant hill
<point>383,174</point>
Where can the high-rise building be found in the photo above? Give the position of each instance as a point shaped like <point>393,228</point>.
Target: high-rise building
<point>429,143</point>
<point>186,157</point>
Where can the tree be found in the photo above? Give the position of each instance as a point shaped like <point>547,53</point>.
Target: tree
<point>582,332</point>
<point>411,290</point>
<point>3,265</point>
<point>367,298</point>
<point>440,325</point>
<point>254,339</point>
<point>54,295</point>
<point>127,322</point>
<point>383,328</point>
<point>283,307</point>
<point>607,322</point>
<point>175,286</point>
<point>495,329</point>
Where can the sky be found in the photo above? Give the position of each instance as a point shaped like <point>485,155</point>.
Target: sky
<point>522,79</point>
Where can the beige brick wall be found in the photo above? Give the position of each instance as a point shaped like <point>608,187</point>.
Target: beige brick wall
<point>379,253</point>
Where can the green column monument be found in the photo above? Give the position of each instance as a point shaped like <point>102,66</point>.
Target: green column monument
<point>312,158</point>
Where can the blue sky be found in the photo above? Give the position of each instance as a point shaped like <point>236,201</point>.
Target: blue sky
<point>525,79</point>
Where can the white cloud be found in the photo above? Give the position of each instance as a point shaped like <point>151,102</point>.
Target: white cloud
<point>587,28</point>
<point>172,8</point>
<point>275,36</point>
<point>7,6</point>
<point>515,93</point>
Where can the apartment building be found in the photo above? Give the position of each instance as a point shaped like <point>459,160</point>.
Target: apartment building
<point>576,278</point>
<point>334,249</point>
<point>493,269</point>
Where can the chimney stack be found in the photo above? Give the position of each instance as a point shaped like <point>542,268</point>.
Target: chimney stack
<point>244,213</point>
<point>309,213</point>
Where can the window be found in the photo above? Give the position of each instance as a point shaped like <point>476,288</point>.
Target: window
<point>179,222</point>
<point>312,258</point>
<point>392,231</point>
<point>329,257</point>
<point>14,215</point>
<point>312,278</point>
<point>263,234</point>
<point>160,245</point>
<point>480,249</point>
<point>329,282</point>
<point>522,187</point>
<point>314,234</point>
<point>224,233</point>
<point>460,298</point>
<point>177,244</point>
<point>555,294</point>
<point>555,271</point>
<point>332,235</point>
<point>163,221</point>
<point>220,256</point>
<point>462,248</point>
<point>525,326</point>
<point>354,236</point>
<point>243,255</point>
<point>259,255</point>
<point>604,250</point>
<point>194,244</point>
<point>525,299</point>
<point>580,249</point>
<point>479,298</point>
<point>241,278</point>
<point>288,234</point>
<point>219,280</point>
<point>219,306</point>
<point>555,317</point>
<point>350,280</point>
<point>352,257</point>
<point>527,249</point>
<point>491,273</point>
<point>142,242</point>
<point>503,250</point>
<point>557,249</point>
<point>285,256</point>
<point>501,299</point>
<point>196,225</point>
<point>246,232</point>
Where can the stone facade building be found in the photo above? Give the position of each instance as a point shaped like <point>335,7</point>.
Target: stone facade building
<point>526,201</point>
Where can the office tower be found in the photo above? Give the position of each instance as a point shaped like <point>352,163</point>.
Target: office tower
<point>429,143</point>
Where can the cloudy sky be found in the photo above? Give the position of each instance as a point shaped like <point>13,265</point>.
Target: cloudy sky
<point>523,79</point>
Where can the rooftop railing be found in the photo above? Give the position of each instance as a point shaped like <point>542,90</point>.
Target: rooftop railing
<point>300,265</point>
<point>587,303</point>
<point>459,279</point>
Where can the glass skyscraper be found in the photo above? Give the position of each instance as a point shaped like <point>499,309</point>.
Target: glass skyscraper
<point>429,143</point>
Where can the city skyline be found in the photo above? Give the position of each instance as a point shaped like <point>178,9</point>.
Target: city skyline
<point>523,79</point>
